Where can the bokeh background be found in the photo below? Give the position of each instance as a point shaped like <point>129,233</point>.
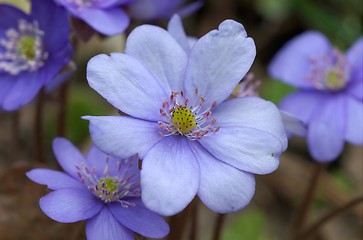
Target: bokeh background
<point>271,23</point>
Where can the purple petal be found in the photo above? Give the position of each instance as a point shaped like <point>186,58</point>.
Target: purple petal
<point>23,91</point>
<point>189,9</point>
<point>96,159</point>
<point>53,179</point>
<point>6,82</point>
<point>291,64</point>
<point>245,148</point>
<point>10,17</point>
<point>53,20</point>
<point>105,226</point>
<point>110,21</point>
<point>304,104</point>
<point>152,9</point>
<point>158,51</point>
<point>326,130</point>
<point>70,205</point>
<point>252,112</point>
<point>140,220</point>
<point>68,156</point>
<point>175,28</point>
<point>355,58</point>
<point>218,61</point>
<point>123,136</point>
<point>109,3</point>
<point>354,125</point>
<point>355,52</point>
<point>56,61</point>
<point>126,84</point>
<point>223,188</point>
<point>61,77</point>
<point>169,176</point>
<point>293,125</point>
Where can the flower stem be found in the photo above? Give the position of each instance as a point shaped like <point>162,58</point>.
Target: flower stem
<point>194,222</point>
<point>62,113</point>
<point>38,128</point>
<point>315,227</point>
<point>15,130</point>
<point>218,226</point>
<point>307,199</point>
<point>177,224</point>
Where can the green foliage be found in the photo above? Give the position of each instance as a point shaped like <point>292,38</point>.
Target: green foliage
<point>340,20</point>
<point>248,225</point>
<point>83,101</point>
<point>274,91</point>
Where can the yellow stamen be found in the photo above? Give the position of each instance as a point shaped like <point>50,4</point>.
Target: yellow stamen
<point>26,47</point>
<point>183,119</point>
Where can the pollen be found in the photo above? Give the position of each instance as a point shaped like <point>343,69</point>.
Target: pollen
<point>334,79</point>
<point>109,184</point>
<point>107,189</point>
<point>183,119</point>
<point>26,47</point>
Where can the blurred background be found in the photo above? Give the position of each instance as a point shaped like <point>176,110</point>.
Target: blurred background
<point>271,23</point>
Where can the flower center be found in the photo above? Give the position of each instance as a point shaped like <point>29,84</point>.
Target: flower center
<point>330,72</point>
<point>119,188</point>
<point>22,49</point>
<point>107,187</point>
<point>26,47</point>
<point>334,80</point>
<point>181,119</point>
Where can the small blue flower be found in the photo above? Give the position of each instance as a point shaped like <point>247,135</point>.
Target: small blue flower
<point>110,17</point>
<point>33,49</point>
<point>101,189</point>
<point>147,10</point>
<point>329,98</point>
<point>190,139</point>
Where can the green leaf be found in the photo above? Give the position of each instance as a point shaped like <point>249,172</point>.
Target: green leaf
<point>249,225</point>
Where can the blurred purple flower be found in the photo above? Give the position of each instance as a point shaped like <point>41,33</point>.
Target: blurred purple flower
<point>101,189</point>
<point>147,10</point>
<point>190,139</point>
<point>33,49</point>
<point>111,17</point>
<point>329,98</point>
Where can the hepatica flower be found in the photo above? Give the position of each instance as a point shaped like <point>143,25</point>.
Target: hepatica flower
<point>190,139</point>
<point>147,10</point>
<point>111,17</point>
<point>329,98</point>
<point>33,49</point>
<point>101,189</point>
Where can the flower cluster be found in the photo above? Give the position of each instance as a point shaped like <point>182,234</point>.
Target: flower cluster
<point>192,122</point>
<point>33,49</point>
<point>329,98</point>
<point>101,189</point>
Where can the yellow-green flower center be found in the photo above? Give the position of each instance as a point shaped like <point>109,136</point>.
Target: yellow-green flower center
<point>109,184</point>
<point>26,47</point>
<point>334,80</point>
<point>183,119</point>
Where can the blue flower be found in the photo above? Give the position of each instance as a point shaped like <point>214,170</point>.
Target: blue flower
<point>109,17</point>
<point>33,49</point>
<point>190,139</point>
<point>147,10</point>
<point>101,189</point>
<point>329,98</point>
